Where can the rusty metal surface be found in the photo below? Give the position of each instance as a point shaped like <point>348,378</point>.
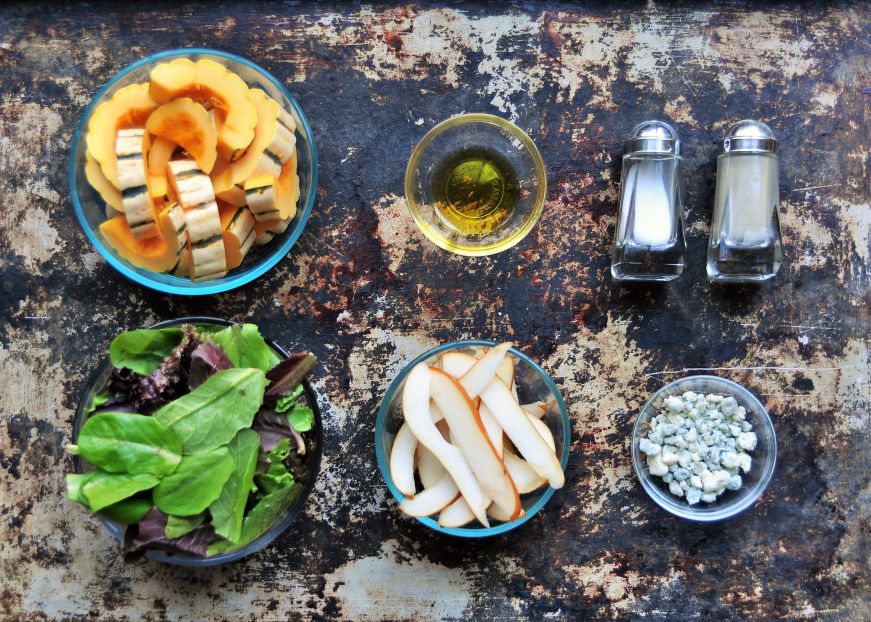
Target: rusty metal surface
<point>367,292</point>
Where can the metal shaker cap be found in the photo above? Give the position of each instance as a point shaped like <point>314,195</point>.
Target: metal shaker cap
<point>653,137</point>
<point>749,136</point>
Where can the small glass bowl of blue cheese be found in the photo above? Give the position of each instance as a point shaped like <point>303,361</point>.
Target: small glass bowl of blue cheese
<point>704,448</point>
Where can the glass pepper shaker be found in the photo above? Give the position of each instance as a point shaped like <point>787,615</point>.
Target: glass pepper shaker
<point>745,243</point>
<point>649,242</point>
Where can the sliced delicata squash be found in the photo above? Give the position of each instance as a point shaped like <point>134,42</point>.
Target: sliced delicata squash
<point>208,81</point>
<point>238,232</point>
<point>109,193</point>
<point>260,191</point>
<point>129,107</point>
<point>188,125</point>
<point>234,196</point>
<point>157,254</point>
<point>137,203</point>
<point>267,120</point>
<point>188,184</point>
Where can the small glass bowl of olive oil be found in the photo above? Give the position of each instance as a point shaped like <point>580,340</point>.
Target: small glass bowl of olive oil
<point>475,184</point>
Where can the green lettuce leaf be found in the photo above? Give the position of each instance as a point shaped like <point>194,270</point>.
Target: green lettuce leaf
<point>245,347</point>
<point>228,509</point>
<point>96,401</point>
<point>143,350</point>
<point>277,476</point>
<point>212,414</point>
<point>75,481</point>
<point>104,489</point>
<point>288,401</point>
<point>195,484</point>
<point>128,443</point>
<point>302,418</point>
<point>129,511</point>
<point>177,526</point>
<point>268,510</point>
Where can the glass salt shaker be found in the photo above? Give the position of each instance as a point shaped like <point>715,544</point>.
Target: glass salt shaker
<point>649,242</point>
<point>745,244</point>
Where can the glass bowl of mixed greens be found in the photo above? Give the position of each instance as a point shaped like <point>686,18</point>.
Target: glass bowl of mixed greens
<point>197,442</point>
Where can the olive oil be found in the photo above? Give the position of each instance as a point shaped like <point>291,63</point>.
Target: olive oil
<point>476,190</point>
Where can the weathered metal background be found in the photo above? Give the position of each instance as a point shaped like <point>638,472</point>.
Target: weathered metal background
<point>367,292</point>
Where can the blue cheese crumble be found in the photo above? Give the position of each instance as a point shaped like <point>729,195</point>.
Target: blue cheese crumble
<point>698,444</point>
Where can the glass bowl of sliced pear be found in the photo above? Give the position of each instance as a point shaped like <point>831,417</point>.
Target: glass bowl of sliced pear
<point>472,438</point>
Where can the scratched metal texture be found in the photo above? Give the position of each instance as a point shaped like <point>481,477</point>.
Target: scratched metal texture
<point>366,292</point>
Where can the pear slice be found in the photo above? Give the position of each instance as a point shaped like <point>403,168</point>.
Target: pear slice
<point>402,460</point>
<point>521,431</point>
<point>415,406</point>
<point>544,431</point>
<point>494,430</point>
<point>524,476</point>
<point>456,364</point>
<point>479,376</point>
<point>494,511</point>
<point>505,371</point>
<point>429,468</point>
<point>456,514</point>
<point>469,434</point>
<point>535,409</point>
<point>431,500</point>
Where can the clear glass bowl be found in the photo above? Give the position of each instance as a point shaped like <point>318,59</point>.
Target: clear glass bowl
<point>483,131</point>
<point>96,383</point>
<point>763,457</point>
<point>90,208</point>
<point>533,384</point>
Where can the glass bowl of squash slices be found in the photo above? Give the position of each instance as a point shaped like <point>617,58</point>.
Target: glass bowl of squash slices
<point>472,438</point>
<point>193,171</point>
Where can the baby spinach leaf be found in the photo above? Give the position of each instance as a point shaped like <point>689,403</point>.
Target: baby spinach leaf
<point>195,484</point>
<point>228,508</point>
<point>268,510</point>
<point>143,350</point>
<point>210,415</point>
<point>287,402</point>
<point>177,526</point>
<point>128,443</point>
<point>302,418</point>
<point>129,511</point>
<point>245,347</point>
<point>75,481</point>
<point>104,489</point>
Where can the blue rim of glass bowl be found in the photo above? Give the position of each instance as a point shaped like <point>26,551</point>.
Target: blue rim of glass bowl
<point>268,536</point>
<point>383,462</point>
<point>241,276</point>
<point>683,510</point>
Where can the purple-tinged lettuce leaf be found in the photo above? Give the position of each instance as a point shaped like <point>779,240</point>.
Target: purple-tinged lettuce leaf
<point>149,534</point>
<point>284,377</point>
<point>273,428</point>
<point>205,360</point>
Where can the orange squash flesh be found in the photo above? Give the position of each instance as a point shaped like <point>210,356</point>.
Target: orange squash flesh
<point>267,118</point>
<point>287,189</point>
<point>156,254</point>
<point>210,82</point>
<point>187,124</point>
<point>110,194</point>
